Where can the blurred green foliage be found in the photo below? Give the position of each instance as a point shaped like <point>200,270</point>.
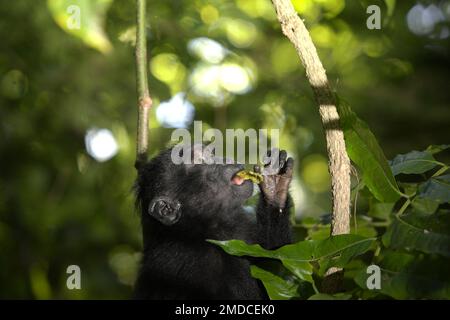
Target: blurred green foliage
<point>59,206</point>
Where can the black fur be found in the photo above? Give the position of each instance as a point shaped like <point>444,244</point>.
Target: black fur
<point>177,261</point>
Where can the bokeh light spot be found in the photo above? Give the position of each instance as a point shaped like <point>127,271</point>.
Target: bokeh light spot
<point>209,14</point>
<point>240,33</point>
<point>207,49</point>
<point>178,112</point>
<point>422,20</point>
<point>168,68</point>
<point>257,8</point>
<point>323,35</point>
<point>284,58</point>
<point>234,78</point>
<point>125,263</point>
<point>101,144</point>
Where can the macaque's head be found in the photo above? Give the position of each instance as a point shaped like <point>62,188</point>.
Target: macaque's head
<point>200,187</point>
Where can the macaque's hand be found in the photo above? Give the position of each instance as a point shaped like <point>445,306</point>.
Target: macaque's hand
<point>277,173</point>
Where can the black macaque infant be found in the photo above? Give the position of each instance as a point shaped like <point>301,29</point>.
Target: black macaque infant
<point>182,205</point>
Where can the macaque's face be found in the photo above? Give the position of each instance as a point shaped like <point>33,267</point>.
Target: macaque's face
<point>218,183</point>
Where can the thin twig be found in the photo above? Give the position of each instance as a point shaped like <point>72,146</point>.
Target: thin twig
<point>144,99</point>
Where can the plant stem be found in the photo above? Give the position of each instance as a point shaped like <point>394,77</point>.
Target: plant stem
<point>144,99</point>
<point>441,171</point>
<point>404,207</point>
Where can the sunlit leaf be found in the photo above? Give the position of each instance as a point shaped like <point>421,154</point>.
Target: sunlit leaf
<point>83,19</point>
<point>364,150</point>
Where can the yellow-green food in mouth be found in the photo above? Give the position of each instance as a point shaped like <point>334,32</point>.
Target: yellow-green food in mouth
<point>243,175</point>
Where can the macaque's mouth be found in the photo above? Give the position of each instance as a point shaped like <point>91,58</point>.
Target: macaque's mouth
<point>241,176</point>
<point>237,180</point>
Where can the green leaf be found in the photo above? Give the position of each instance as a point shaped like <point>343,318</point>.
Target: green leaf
<point>403,234</point>
<point>408,276</point>
<point>380,210</point>
<point>346,252</point>
<point>277,288</point>
<point>396,261</point>
<point>302,270</point>
<point>335,251</point>
<point>83,19</point>
<point>320,232</point>
<point>324,296</point>
<point>425,205</point>
<point>433,149</point>
<point>437,188</point>
<point>365,229</point>
<point>414,162</point>
<point>303,251</point>
<point>363,149</point>
<point>403,285</point>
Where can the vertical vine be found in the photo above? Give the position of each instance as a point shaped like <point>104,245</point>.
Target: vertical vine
<point>144,99</point>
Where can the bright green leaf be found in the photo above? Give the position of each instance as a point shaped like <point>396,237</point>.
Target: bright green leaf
<point>83,19</point>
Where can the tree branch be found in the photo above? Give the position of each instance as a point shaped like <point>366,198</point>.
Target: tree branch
<point>144,99</point>
<point>339,163</point>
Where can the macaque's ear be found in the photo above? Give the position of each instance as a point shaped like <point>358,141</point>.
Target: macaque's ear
<point>166,210</point>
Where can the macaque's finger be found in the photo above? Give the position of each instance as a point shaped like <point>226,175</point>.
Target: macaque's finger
<point>266,159</point>
<point>282,159</point>
<point>271,158</point>
<point>288,167</point>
